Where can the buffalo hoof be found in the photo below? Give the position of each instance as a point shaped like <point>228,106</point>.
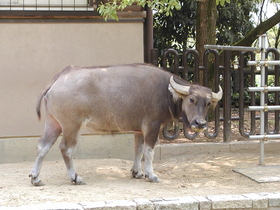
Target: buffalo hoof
<point>137,174</point>
<point>35,180</point>
<point>38,184</point>
<point>152,178</point>
<point>77,180</point>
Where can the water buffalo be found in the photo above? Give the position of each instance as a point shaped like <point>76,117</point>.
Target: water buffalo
<point>138,97</point>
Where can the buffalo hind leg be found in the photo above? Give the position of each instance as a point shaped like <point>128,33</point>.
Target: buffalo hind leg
<point>149,145</point>
<point>136,170</point>
<point>51,133</point>
<point>67,146</point>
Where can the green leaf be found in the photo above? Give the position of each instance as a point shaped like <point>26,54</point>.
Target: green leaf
<point>177,6</point>
<point>108,9</point>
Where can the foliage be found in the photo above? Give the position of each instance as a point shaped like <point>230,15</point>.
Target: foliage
<point>273,36</point>
<point>274,33</point>
<point>178,31</point>
<point>262,28</point>
<point>174,32</point>
<point>222,2</point>
<point>234,21</point>
<point>110,8</point>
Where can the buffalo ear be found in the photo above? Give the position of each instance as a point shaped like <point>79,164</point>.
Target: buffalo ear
<point>214,104</point>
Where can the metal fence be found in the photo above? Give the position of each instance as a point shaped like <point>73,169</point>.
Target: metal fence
<point>62,9</point>
<point>48,5</point>
<point>224,73</point>
<point>54,8</point>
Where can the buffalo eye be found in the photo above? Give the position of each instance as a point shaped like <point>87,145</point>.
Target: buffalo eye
<point>209,104</point>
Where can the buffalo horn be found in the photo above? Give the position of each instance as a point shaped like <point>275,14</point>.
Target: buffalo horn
<point>179,88</point>
<point>217,96</point>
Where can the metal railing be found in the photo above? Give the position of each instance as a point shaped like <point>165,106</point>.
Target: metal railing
<point>48,5</point>
<point>53,8</point>
<point>65,10</point>
<point>225,71</point>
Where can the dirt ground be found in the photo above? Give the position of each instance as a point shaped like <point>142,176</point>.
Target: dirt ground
<point>109,179</point>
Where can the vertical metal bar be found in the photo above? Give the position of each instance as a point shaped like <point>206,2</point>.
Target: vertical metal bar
<point>185,74</point>
<point>148,34</point>
<point>262,102</point>
<point>205,71</point>
<point>90,3</point>
<point>241,96</point>
<point>97,3</point>
<point>176,63</point>
<point>176,60</point>
<point>216,83</point>
<point>265,98</point>
<point>196,64</point>
<point>154,57</point>
<point>176,72</point>
<point>277,77</point>
<point>276,73</point>
<point>227,97</point>
<point>253,96</point>
<point>196,68</point>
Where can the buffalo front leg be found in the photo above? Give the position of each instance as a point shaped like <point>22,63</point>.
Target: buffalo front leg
<point>149,156</point>
<point>67,146</point>
<point>136,170</point>
<point>51,133</point>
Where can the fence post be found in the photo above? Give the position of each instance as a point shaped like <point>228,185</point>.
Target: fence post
<point>227,96</point>
<point>154,57</point>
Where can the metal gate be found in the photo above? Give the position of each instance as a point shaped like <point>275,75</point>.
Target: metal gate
<point>171,61</point>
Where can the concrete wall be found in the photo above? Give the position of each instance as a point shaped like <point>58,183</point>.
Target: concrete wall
<point>16,150</point>
<point>32,53</point>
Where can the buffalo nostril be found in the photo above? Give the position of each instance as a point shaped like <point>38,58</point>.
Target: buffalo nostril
<point>200,123</point>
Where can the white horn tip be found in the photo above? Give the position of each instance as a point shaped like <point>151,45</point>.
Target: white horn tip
<point>217,96</point>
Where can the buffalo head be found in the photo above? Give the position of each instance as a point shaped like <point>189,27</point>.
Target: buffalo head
<point>196,102</point>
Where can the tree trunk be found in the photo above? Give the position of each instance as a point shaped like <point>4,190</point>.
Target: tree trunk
<point>205,31</point>
<point>206,19</point>
<point>259,30</point>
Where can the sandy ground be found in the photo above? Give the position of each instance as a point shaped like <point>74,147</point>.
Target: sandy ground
<point>109,179</point>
